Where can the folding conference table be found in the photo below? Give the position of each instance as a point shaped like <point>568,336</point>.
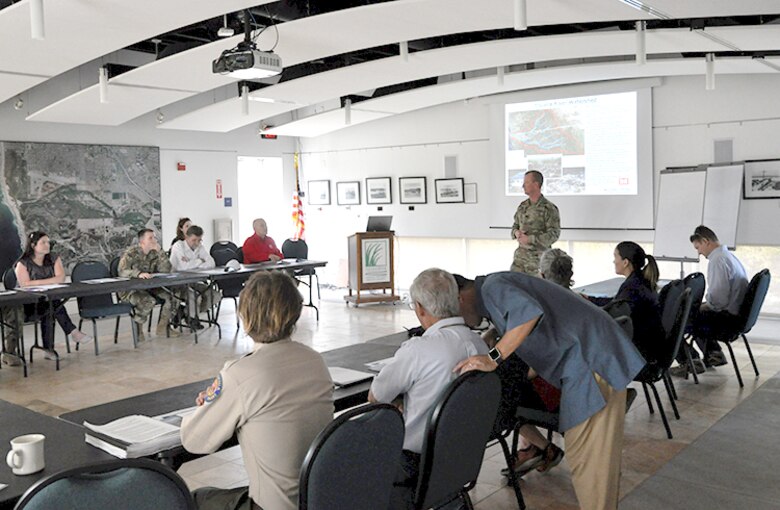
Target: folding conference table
<point>182,397</point>
<point>64,448</point>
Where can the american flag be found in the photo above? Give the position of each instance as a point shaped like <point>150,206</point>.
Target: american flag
<point>297,213</point>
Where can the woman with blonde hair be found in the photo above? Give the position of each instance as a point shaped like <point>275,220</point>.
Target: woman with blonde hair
<point>277,398</point>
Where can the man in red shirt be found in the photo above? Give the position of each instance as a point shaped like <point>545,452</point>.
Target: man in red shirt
<point>259,247</point>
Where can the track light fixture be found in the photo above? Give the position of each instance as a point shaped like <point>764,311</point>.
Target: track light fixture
<point>37,28</point>
<point>641,48</point>
<point>347,111</point>
<point>521,15</point>
<point>160,117</point>
<point>709,76</point>
<point>244,99</point>
<point>19,104</point>
<point>500,75</point>
<point>403,49</point>
<point>103,84</point>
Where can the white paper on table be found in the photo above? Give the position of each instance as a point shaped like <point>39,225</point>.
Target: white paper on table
<point>378,365</point>
<point>134,428</point>
<point>214,270</point>
<point>3,486</point>
<point>42,288</point>
<point>106,280</point>
<point>346,376</point>
<point>175,417</point>
<point>7,293</point>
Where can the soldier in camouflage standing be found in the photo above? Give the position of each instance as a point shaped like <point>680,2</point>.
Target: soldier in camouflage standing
<point>537,225</point>
<point>141,261</point>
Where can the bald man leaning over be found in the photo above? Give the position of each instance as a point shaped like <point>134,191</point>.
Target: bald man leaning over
<point>259,247</point>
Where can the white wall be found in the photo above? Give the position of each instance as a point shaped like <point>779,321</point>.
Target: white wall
<point>191,193</point>
<point>686,121</point>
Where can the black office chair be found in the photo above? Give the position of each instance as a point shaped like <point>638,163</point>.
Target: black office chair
<point>677,303</point>
<point>102,306</point>
<point>126,484</point>
<point>748,315</point>
<point>298,249</point>
<point>697,284</point>
<point>113,267</point>
<point>352,462</point>
<point>221,245</point>
<point>231,287</point>
<point>458,430</point>
<point>240,254</point>
<point>113,270</point>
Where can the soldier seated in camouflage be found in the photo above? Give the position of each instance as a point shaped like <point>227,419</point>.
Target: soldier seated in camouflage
<point>142,261</point>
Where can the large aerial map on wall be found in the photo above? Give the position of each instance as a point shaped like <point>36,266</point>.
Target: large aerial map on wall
<point>90,199</point>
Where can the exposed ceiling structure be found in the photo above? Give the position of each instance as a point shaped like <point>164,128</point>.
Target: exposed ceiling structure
<point>350,55</point>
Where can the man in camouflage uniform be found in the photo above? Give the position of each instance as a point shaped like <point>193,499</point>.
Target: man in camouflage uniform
<point>537,226</point>
<point>141,261</point>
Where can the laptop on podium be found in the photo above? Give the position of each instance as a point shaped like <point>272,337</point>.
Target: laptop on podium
<point>379,223</point>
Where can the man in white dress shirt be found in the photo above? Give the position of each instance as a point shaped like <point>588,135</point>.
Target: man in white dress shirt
<point>190,254</point>
<point>422,368</point>
<point>726,286</point>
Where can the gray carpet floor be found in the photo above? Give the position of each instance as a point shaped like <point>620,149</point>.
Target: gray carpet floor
<point>735,464</point>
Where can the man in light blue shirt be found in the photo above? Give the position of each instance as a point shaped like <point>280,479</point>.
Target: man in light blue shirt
<point>726,286</point>
<point>423,367</point>
<point>573,345</point>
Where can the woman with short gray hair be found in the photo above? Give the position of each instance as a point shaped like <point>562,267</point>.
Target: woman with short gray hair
<point>557,266</point>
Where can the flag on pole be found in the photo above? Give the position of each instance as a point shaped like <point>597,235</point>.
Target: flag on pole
<point>297,214</point>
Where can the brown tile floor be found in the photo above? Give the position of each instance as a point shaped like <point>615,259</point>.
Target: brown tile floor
<point>121,371</point>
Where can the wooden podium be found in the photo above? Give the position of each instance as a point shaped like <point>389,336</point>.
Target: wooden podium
<point>371,263</point>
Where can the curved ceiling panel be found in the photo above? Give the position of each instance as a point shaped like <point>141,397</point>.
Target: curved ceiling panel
<point>77,32</point>
<point>426,97</point>
<point>339,32</point>
<point>334,33</point>
<point>224,116</point>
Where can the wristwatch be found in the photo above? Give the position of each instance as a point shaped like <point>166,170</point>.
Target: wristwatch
<point>495,355</point>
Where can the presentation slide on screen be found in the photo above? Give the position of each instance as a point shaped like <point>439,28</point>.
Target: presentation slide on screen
<point>582,145</point>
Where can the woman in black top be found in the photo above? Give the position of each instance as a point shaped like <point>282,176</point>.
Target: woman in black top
<point>640,292</point>
<point>37,266</point>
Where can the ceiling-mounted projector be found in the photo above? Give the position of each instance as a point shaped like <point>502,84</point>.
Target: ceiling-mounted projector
<point>247,63</point>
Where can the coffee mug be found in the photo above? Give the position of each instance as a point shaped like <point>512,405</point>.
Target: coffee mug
<point>26,455</point>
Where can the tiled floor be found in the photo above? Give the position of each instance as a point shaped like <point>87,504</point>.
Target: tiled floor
<point>120,371</point>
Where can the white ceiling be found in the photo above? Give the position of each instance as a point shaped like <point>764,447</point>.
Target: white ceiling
<point>79,32</point>
<point>426,97</point>
<point>320,87</point>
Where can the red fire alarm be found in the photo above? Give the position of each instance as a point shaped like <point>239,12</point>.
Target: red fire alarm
<point>269,136</point>
<point>181,167</point>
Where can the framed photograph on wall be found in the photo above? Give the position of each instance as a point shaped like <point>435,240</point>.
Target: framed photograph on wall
<point>378,190</point>
<point>412,190</point>
<point>449,191</point>
<point>348,193</point>
<point>762,179</point>
<point>319,192</point>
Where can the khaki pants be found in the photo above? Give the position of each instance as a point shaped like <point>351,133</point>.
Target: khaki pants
<point>594,449</point>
